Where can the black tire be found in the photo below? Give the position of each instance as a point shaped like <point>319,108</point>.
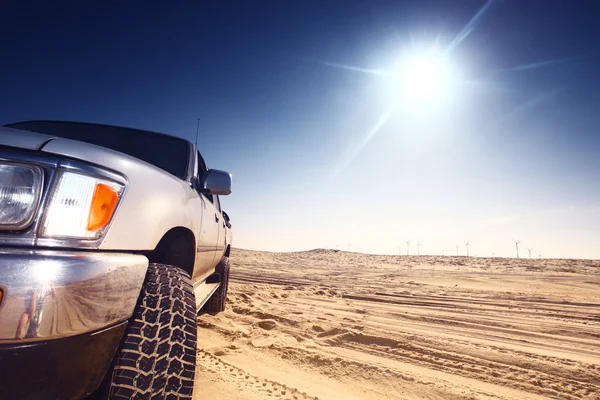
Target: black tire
<point>216,302</point>
<point>157,357</point>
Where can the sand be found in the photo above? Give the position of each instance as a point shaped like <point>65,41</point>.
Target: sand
<point>338,325</point>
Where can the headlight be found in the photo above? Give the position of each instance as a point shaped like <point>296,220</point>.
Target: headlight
<point>80,206</point>
<point>20,187</point>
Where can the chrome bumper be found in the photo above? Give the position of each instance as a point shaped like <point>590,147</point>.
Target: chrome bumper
<point>55,294</point>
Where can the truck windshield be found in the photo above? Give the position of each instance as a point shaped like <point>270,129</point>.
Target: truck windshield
<point>166,152</point>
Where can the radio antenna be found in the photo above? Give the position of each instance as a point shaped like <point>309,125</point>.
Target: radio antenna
<point>197,129</point>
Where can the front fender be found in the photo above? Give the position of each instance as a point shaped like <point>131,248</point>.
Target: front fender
<point>150,208</point>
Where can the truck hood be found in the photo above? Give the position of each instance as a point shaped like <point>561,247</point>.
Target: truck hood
<point>23,139</point>
<point>101,156</point>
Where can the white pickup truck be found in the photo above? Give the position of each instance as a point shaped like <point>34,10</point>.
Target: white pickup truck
<point>111,240</point>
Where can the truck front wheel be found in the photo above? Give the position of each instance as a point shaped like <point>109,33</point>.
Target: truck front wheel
<point>157,357</point>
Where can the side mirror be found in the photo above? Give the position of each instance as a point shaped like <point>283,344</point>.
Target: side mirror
<point>217,182</point>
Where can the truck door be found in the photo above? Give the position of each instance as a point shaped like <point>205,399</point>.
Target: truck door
<point>221,240</point>
<point>209,231</point>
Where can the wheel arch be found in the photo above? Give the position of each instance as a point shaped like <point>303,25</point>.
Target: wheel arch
<point>177,247</point>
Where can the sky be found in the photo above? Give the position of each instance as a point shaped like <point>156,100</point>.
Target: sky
<point>306,104</point>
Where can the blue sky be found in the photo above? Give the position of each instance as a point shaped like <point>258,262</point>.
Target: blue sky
<point>289,104</point>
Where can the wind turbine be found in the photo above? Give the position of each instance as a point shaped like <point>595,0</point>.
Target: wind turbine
<point>457,250</point>
<point>517,245</point>
<point>529,252</point>
<point>467,245</point>
<point>407,246</point>
<point>418,246</point>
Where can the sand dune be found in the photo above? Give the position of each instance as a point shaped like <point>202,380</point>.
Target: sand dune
<point>336,325</point>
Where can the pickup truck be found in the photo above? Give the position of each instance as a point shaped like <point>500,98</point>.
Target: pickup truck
<point>111,241</point>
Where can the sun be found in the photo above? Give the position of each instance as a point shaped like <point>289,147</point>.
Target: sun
<point>423,80</point>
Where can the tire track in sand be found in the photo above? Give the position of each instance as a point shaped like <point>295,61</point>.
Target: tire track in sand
<point>240,377</point>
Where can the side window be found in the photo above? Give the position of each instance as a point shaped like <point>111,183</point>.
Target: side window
<point>201,173</point>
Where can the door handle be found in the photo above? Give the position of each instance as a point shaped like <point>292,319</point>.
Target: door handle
<point>216,217</point>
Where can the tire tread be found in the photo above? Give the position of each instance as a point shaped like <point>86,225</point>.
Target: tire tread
<point>159,343</point>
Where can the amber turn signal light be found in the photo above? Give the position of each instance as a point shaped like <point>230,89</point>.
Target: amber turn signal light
<point>103,205</point>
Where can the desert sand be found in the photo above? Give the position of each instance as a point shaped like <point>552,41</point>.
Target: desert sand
<point>328,324</point>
